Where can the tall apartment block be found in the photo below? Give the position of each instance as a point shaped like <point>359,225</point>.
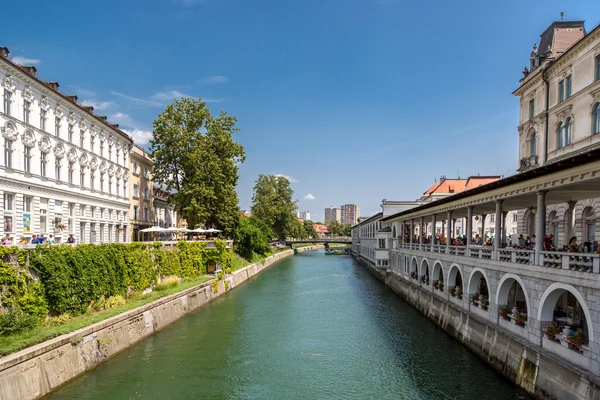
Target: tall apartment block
<point>350,214</point>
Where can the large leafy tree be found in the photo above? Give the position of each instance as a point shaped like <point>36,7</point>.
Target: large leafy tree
<point>310,229</point>
<point>273,203</point>
<point>252,237</point>
<point>196,157</point>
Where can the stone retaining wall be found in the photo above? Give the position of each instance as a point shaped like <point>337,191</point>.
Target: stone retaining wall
<point>37,370</point>
<point>540,373</point>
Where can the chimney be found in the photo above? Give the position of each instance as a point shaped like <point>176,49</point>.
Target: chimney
<point>73,98</point>
<point>442,178</point>
<point>89,109</point>
<point>116,126</point>
<point>102,117</point>
<point>53,85</point>
<point>4,52</point>
<point>30,69</point>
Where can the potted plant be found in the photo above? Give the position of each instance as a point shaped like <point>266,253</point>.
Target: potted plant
<point>435,284</point>
<point>414,275</point>
<point>519,318</point>
<point>452,291</point>
<point>475,299</point>
<point>458,292</point>
<point>484,302</point>
<point>576,340</point>
<point>504,311</point>
<point>61,227</point>
<point>425,279</point>
<point>551,331</point>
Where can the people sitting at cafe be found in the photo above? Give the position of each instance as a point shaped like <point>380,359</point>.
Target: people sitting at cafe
<point>522,240</point>
<point>528,244</point>
<point>573,246</point>
<point>23,240</point>
<point>549,243</point>
<point>478,240</point>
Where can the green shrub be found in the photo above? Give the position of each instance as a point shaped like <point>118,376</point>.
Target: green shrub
<point>167,283</point>
<point>16,320</point>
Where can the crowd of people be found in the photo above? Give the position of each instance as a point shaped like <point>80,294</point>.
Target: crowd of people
<point>35,239</point>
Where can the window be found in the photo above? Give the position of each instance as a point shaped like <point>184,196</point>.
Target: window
<point>91,143</point>
<point>135,167</point>
<point>124,189</point>
<point>146,172</point>
<point>7,100</point>
<point>569,86</point>
<point>109,185</point>
<point>146,214</point>
<point>27,159</point>
<point>26,106</point>
<point>57,169</point>
<point>82,178</point>
<point>27,207</point>
<point>568,129</point>
<point>596,119</point>
<point>136,190</point>
<point>515,217</point>
<point>70,133</point>
<point>381,244</point>
<point>57,126</point>
<point>492,217</point>
<point>8,153</point>
<point>43,162</point>
<point>559,135</point>
<point>589,222</point>
<point>71,216</point>
<point>117,188</point>
<point>102,181</point>
<point>598,68</point>
<point>9,207</point>
<point>561,90</point>
<point>43,119</point>
<point>101,149</point>
<point>531,108</point>
<point>146,194</point>
<point>81,138</point>
<point>82,232</point>
<point>92,178</point>
<point>554,223</point>
<point>71,170</point>
<point>43,227</point>
<point>135,212</point>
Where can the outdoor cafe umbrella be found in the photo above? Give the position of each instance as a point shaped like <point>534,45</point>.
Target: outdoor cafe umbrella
<point>153,229</point>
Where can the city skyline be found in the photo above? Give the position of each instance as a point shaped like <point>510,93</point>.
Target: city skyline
<point>319,82</point>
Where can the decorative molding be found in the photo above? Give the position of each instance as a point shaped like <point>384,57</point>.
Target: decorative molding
<point>28,138</point>
<point>93,131</point>
<point>82,125</point>
<point>72,155</point>
<point>111,170</point>
<point>44,103</point>
<point>119,173</point>
<point>564,112</point>
<point>125,177</point>
<point>595,96</point>
<point>59,151</point>
<point>102,167</point>
<point>111,141</point>
<point>10,131</point>
<point>71,119</point>
<point>94,164</point>
<point>102,137</point>
<point>45,145</point>
<point>9,83</point>
<point>58,111</point>
<point>83,160</point>
<point>28,94</point>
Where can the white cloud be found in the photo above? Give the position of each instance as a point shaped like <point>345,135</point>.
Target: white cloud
<point>168,95</point>
<point>289,178</point>
<point>137,100</point>
<point>139,136</point>
<point>121,119</point>
<point>81,91</point>
<point>212,80</point>
<point>98,105</point>
<point>309,197</point>
<point>25,60</point>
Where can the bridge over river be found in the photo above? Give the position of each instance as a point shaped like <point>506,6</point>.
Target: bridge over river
<point>309,327</point>
<point>325,240</point>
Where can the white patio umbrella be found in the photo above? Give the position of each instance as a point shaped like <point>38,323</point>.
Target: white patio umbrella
<point>153,229</point>
<point>211,230</point>
<point>199,230</point>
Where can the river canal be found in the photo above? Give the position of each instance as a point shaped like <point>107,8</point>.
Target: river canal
<point>310,327</point>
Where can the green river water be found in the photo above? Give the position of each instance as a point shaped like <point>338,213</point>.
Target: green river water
<point>310,327</point>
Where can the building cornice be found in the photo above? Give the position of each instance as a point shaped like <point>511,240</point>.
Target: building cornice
<point>532,80</point>
<point>572,52</point>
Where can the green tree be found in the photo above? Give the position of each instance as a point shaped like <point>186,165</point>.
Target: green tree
<point>335,228</point>
<point>252,236</point>
<point>310,229</point>
<point>347,231</point>
<point>296,230</point>
<point>196,156</point>
<point>272,202</point>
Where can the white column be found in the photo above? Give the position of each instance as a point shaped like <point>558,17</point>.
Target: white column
<point>421,224</point>
<point>498,227</point>
<point>569,221</point>
<point>412,230</point>
<point>469,232</point>
<point>483,216</point>
<point>449,228</point>
<point>540,224</point>
<point>433,222</point>
<point>504,214</point>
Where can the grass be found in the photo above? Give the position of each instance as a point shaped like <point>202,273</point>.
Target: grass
<point>239,262</point>
<point>11,343</point>
<point>297,246</point>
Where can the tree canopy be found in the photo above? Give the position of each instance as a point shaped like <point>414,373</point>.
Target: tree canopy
<point>196,157</point>
<point>252,237</point>
<point>309,229</point>
<point>273,203</point>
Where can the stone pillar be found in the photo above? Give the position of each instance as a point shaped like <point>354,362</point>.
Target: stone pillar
<point>504,214</point>
<point>498,227</point>
<point>433,222</point>
<point>469,232</point>
<point>483,216</point>
<point>540,224</point>
<point>449,229</point>
<point>569,221</point>
<point>421,224</point>
<point>412,230</point>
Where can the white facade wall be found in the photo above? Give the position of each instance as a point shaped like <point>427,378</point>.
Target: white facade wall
<point>73,172</point>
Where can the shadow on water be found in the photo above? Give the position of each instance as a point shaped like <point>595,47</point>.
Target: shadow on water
<point>311,327</point>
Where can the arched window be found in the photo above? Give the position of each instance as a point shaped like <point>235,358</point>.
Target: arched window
<point>568,130</point>
<point>531,143</point>
<point>589,224</point>
<point>554,221</point>
<point>559,135</point>
<point>596,119</point>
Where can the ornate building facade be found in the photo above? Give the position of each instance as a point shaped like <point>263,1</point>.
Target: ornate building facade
<point>63,170</point>
<point>141,191</point>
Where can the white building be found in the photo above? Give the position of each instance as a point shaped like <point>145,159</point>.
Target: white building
<point>63,169</point>
<point>559,117</point>
<point>332,214</point>
<point>304,215</point>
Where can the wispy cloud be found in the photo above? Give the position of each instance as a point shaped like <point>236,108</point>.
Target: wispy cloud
<point>139,136</point>
<point>98,105</point>
<point>121,119</point>
<point>213,80</point>
<point>26,61</point>
<point>168,95</point>
<point>137,100</point>
<point>309,197</point>
<point>289,178</point>
<point>81,91</point>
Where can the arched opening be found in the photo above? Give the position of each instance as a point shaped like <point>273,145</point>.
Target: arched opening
<point>589,224</point>
<point>532,143</point>
<point>438,277</point>
<point>455,282</point>
<point>531,224</point>
<point>478,289</point>
<point>564,317</point>
<point>559,135</point>
<point>568,131</point>
<point>596,119</point>
<point>554,225</point>
<point>424,272</point>
<point>414,273</point>
<point>512,300</point>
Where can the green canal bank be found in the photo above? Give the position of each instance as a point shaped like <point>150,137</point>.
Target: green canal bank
<point>537,371</point>
<point>311,327</point>
<point>39,369</point>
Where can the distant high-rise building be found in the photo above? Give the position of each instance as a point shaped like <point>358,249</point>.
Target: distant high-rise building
<point>350,214</point>
<point>305,215</point>
<point>332,214</point>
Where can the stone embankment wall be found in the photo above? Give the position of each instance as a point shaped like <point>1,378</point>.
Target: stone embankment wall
<point>37,370</point>
<point>540,373</point>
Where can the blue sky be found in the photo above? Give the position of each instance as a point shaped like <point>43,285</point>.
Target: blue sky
<point>356,100</point>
